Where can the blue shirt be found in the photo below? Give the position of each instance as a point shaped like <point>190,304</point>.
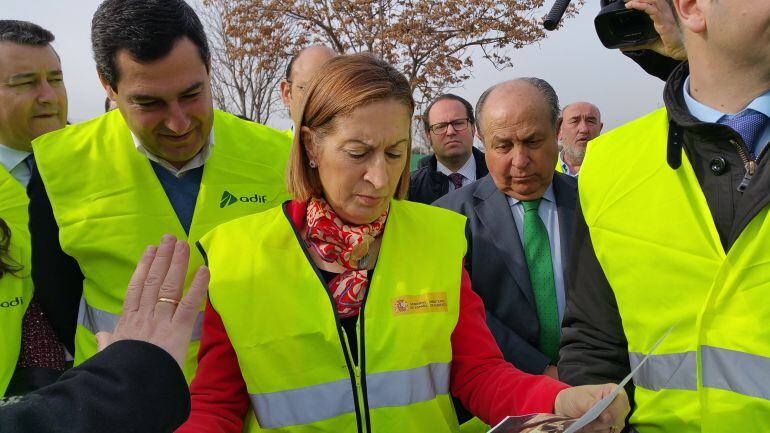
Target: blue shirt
<point>704,113</point>
<point>13,161</point>
<point>550,217</point>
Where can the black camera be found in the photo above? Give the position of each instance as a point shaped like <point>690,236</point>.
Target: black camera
<point>616,26</point>
<point>619,27</point>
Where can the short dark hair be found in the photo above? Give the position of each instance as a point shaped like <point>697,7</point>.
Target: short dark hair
<point>24,33</point>
<point>148,29</point>
<point>444,97</point>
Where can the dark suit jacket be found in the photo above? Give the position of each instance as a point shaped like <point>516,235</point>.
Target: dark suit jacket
<point>498,268</point>
<point>427,184</point>
<point>130,387</point>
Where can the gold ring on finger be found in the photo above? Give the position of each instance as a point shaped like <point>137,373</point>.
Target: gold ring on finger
<point>169,300</point>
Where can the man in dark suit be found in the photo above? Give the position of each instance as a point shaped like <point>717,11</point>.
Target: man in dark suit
<point>449,127</point>
<point>520,220</point>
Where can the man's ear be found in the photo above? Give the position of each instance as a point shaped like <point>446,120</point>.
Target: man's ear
<point>559,121</point>
<point>111,93</point>
<point>691,14</point>
<point>285,90</point>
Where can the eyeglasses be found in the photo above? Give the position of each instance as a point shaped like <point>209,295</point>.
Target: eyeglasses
<point>457,124</point>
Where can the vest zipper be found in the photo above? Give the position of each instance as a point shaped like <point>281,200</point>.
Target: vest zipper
<point>751,166</point>
<point>357,375</point>
<point>362,358</point>
<point>354,373</point>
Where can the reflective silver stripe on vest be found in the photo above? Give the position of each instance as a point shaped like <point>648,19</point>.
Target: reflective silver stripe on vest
<point>669,371</point>
<point>303,405</point>
<point>328,400</point>
<point>96,320</point>
<point>401,388</point>
<point>735,371</point>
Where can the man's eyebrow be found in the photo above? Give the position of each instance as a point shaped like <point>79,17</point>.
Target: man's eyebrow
<point>139,97</point>
<point>195,86</point>
<point>24,75</point>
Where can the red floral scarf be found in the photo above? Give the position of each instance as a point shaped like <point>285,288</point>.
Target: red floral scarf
<point>346,245</point>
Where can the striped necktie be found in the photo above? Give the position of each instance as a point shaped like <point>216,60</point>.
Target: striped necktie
<point>457,180</point>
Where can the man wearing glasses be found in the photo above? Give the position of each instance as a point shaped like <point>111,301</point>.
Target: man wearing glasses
<point>449,126</point>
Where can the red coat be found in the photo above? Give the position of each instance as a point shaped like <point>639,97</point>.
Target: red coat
<point>487,385</point>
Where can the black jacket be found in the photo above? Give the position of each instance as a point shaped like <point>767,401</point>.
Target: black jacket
<point>130,387</point>
<point>427,184</point>
<point>593,347</point>
<point>57,277</point>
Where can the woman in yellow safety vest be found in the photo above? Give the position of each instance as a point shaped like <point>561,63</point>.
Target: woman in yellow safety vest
<point>348,309</point>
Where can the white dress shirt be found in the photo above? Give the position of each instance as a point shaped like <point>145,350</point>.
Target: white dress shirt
<point>197,161</point>
<point>548,213</point>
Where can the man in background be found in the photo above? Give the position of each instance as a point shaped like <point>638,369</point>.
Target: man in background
<point>449,126</point>
<point>580,123</point>
<point>301,69</point>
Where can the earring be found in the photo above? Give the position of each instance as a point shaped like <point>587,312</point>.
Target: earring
<point>313,164</point>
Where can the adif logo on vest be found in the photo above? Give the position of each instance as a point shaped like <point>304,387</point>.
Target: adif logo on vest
<point>229,198</point>
<point>14,303</point>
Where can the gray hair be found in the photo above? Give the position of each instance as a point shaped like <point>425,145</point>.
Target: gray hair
<point>545,89</point>
<point>24,33</point>
<point>564,109</point>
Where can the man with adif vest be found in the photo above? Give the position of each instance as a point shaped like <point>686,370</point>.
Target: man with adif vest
<point>164,162</point>
<point>678,239</point>
<point>33,101</point>
<point>300,70</point>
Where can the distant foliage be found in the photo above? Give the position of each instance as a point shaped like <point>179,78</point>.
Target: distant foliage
<point>430,41</point>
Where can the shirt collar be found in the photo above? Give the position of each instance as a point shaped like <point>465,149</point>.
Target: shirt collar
<point>468,170</point>
<point>564,167</point>
<point>197,161</point>
<point>10,158</point>
<point>548,196</point>
<point>707,114</point>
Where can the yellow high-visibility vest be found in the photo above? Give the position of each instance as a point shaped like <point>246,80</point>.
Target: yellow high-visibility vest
<point>292,350</point>
<point>109,204</point>
<point>15,290</point>
<point>657,243</point>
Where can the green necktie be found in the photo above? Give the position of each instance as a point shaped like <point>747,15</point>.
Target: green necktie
<point>537,250</point>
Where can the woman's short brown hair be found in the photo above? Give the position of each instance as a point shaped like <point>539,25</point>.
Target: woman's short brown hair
<point>342,85</point>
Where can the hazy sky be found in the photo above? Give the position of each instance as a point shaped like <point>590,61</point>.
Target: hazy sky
<point>572,59</point>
